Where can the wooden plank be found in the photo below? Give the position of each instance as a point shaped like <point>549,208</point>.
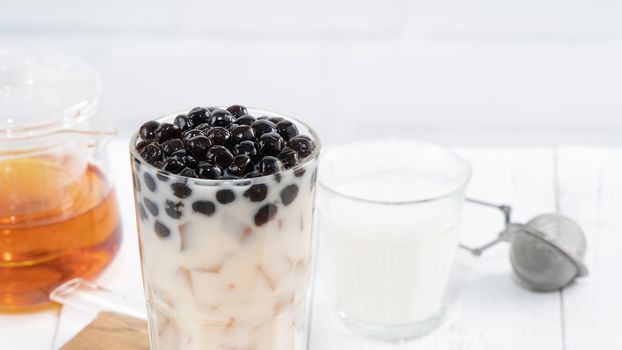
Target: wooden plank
<point>590,188</point>
<point>111,330</point>
<point>486,310</point>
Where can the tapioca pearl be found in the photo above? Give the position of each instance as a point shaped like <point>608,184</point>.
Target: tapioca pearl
<point>174,164</point>
<point>313,179</point>
<point>288,194</point>
<point>271,144</point>
<point>190,161</point>
<point>220,117</point>
<point>151,206</point>
<point>140,146</point>
<point>204,207</point>
<point>299,172</point>
<point>276,120</point>
<point>253,174</point>
<point>137,185</point>
<point>181,190</point>
<point>198,146</point>
<point>262,126</point>
<point>147,130</point>
<point>248,148</point>
<point>256,193</point>
<point>209,171</point>
<point>219,136</point>
<point>219,155</point>
<point>161,230</point>
<point>270,165</point>
<point>188,172</point>
<point>174,210</point>
<point>152,154</point>
<point>180,152</point>
<point>150,182</point>
<point>198,115</point>
<point>246,120</point>
<point>137,164</point>
<point>162,177</point>
<point>289,158</point>
<point>265,214</point>
<point>225,196</point>
<point>171,146</point>
<point>277,178</point>
<point>287,129</point>
<point>240,165</point>
<point>205,127</point>
<point>142,212</point>
<point>187,135</point>
<point>241,133</point>
<point>183,122</point>
<point>302,144</point>
<point>167,131</point>
<point>237,110</point>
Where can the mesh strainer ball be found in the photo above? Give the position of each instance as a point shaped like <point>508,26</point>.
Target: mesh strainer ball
<point>547,252</point>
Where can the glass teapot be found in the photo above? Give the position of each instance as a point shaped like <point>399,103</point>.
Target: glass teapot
<point>58,212</point>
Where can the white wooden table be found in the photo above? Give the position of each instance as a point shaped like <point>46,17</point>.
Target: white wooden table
<point>486,310</point>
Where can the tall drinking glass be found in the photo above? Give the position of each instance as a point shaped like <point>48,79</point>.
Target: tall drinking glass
<point>389,214</point>
<point>227,264</point>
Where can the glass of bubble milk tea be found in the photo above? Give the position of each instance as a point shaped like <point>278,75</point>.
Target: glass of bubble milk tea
<point>389,216</point>
<point>225,200</point>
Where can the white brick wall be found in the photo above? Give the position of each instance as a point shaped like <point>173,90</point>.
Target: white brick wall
<point>454,71</point>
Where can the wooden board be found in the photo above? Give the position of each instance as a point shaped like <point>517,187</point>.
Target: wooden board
<point>111,330</point>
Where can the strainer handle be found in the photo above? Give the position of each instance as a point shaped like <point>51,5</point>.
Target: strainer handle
<point>505,209</point>
<point>502,236</point>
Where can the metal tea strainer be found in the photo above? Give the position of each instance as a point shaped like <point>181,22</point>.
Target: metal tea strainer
<point>546,253</point>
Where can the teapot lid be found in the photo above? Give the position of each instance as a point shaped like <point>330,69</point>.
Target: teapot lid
<point>44,92</point>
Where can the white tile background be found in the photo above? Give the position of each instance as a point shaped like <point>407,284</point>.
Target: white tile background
<point>453,71</point>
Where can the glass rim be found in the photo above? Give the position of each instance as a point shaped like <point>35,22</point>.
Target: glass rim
<point>465,172</point>
<point>211,182</point>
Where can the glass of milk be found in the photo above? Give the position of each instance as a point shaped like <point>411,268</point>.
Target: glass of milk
<point>389,216</point>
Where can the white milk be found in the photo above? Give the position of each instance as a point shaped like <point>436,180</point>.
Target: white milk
<point>391,261</point>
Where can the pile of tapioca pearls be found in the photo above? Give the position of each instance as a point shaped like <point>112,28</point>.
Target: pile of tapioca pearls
<point>214,143</point>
